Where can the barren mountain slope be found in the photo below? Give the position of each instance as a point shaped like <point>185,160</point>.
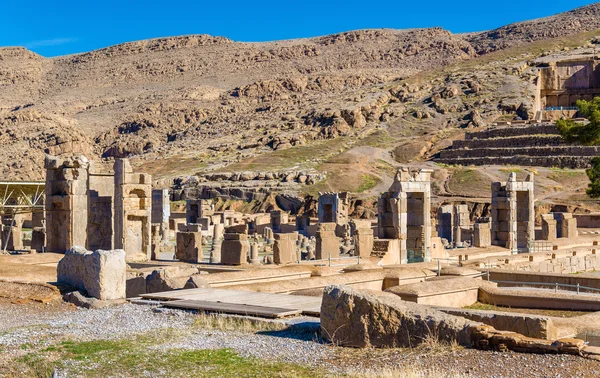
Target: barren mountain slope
<point>182,105</point>
<point>576,21</point>
<point>172,95</point>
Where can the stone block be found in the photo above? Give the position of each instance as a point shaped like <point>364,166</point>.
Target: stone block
<point>189,247</point>
<point>284,248</point>
<point>102,274</point>
<point>235,249</point>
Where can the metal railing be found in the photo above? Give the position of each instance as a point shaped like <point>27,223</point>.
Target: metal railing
<point>327,261</point>
<point>539,246</point>
<point>561,108</point>
<point>550,285</point>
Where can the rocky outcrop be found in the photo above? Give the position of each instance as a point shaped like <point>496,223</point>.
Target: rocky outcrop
<point>100,274</point>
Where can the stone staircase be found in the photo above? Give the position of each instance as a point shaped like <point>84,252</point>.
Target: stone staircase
<point>530,145</point>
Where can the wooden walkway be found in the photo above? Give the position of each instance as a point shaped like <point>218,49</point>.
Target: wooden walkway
<point>239,302</point>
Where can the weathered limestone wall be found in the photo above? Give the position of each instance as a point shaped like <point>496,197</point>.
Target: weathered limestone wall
<point>284,248</point>
<point>189,247</point>
<point>505,132</point>
<point>278,218</point>
<point>588,220</point>
<point>235,249</point>
<point>535,145</point>
<point>133,203</point>
<point>560,263</point>
<point>404,212</point>
<point>447,291</point>
<point>100,223</point>
<point>513,213</point>
<point>328,244</point>
<point>482,235</point>
<point>333,207</point>
<point>66,202</point>
<point>540,327</point>
<point>363,238</point>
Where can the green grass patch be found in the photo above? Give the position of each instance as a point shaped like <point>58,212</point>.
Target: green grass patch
<point>290,157</point>
<point>511,170</point>
<point>143,357</point>
<point>35,365</point>
<point>368,183</point>
<point>378,139</point>
<point>469,182</point>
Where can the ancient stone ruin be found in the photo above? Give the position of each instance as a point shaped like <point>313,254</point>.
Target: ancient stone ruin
<point>404,214</point>
<point>513,224</point>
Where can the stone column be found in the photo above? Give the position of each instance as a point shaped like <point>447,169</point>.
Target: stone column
<point>66,202</point>
<point>512,221</point>
<point>284,249</point>
<point>427,224</point>
<point>401,208</point>
<point>254,260</point>
<point>328,244</point>
<point>215,254</point>
<point>133,211</point>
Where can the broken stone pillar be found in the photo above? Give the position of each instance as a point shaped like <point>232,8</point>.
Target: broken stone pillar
<point>513,214</point>
<point>404,213</point>
<point>156,241</point>
<point>302,223</point>
<point>482,235</point>
<point>284,249</point>
<point>548,227</point>
<point>254,259</point>
<point>195,209</point>
<point>461,223</point>
<point>566,225</point>
<point>269,235</point>
<point>278,218</point>
<point>328,244</point>
<point>363,238</point>
<point>215,253</point>
<point>100,222</point>
<point>333,207</point>
<point>66,202</point>
<point>234,250</point>
<point>445,224</point>
<point>569,226</point>
<point>38,232</point>
<point>133,206</point>
<point>102,274</point>
<point>189,247</point>
<point>161,211</point>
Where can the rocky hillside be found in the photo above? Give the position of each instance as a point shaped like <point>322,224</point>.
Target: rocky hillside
<point>352,104</point>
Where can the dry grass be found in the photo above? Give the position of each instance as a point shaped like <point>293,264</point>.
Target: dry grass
<point>409,372</point>
<point>553,313</point>
<point>233,323</point>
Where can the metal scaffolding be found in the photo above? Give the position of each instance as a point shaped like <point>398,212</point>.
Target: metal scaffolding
<point>19,197</point>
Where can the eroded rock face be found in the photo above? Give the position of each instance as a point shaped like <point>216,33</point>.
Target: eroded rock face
<point>357,319</point>
<point>102,274</point>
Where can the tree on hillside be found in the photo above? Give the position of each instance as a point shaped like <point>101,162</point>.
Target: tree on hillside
<point>593,174</point>
<point>588,134</point>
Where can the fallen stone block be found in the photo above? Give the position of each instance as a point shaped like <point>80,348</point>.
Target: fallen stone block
<point>101,274</point>
<point>357,319</point>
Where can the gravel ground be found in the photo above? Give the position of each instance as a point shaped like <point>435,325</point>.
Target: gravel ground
<point>41,325</point>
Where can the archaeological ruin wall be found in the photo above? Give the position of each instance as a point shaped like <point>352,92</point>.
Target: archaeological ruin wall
<point>513,214</point>
<point>404,214</point>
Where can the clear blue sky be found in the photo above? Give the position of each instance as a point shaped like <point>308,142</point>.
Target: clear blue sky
<point>62,27</point>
